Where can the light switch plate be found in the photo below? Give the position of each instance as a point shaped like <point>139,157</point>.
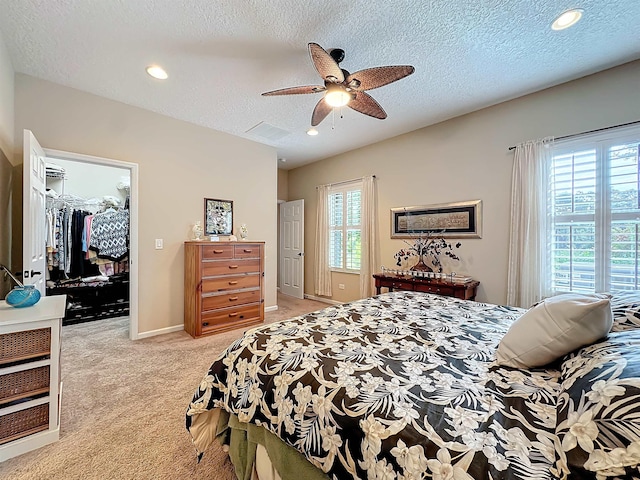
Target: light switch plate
<point>159,244</point>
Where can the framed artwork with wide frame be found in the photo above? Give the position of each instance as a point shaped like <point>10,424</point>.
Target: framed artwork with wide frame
<point>447,220</point>
<point>218,217</point>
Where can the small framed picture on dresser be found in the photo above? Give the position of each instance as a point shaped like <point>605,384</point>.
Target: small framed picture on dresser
<point>218,217</point>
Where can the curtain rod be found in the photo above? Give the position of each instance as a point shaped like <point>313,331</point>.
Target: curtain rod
<point>344,181</point>
<point>591,131</point>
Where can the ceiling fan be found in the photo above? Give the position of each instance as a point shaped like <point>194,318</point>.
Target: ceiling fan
<point>343,88</point>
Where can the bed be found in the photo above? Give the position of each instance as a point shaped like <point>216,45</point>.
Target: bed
<point>405,385</point>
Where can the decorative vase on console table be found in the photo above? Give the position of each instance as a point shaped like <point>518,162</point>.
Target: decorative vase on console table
<point>429,245</point>
<point>421,266</point>
<point>22,295</point>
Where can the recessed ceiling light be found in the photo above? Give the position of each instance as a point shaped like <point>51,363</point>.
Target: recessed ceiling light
<point>567,19</point>
<point>157,72</point>
<point>312,132</point>
<point>283,160</point>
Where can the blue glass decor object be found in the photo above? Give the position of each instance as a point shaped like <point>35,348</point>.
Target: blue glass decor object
<point>22,295</point>
<point>25,296</point>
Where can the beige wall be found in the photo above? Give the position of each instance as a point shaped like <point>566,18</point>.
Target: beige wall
<point>6,153</point>
<point>467,158</point>
<point>283,184</point>
<point>283,196</point>
<point>179,165</point>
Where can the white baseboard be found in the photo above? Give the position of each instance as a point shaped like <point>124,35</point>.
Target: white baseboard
<point>160,331</point>
<point>321,299</point>
<point>272,308</point>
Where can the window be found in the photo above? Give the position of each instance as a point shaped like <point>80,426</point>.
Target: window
<point>345,227</point>
<point>595,213</point>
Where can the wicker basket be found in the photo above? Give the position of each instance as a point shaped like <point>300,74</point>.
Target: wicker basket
<point>18,346</point>
<point>24,422</point>
<point>26,383</point>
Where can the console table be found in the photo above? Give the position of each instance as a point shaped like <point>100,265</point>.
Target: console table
<point>439,286</point>
<point>30,386</point>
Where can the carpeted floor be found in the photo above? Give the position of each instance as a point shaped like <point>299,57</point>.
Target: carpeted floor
<point>123,405</point>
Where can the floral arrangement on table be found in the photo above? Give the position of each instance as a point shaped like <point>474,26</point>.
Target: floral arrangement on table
<point>430,246</point>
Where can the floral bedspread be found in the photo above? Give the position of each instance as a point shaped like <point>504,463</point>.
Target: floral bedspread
<point>399,386</point>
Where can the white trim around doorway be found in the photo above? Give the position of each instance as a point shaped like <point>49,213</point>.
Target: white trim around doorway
<point>133,225</point>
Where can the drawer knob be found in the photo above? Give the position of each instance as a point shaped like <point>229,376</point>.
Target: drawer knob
<point>233,266</point>
<point>233,314</point>
<point>234,282</point>
<point>205,324</point>
<point>233,299</point>
<point>218,251</point>
<point>247,250</point>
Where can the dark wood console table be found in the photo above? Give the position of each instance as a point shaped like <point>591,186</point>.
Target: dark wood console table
<point>440,286</point>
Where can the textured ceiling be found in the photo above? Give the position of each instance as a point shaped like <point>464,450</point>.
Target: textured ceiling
<point>220,55</point>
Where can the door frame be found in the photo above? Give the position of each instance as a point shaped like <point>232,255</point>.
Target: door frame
<point>133,223</point>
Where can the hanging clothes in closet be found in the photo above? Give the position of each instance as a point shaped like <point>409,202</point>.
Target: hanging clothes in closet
<point>88,257</point>
<point>81,244</point>
<point>110,234</point>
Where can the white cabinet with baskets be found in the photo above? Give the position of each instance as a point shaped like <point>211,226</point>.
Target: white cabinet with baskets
<point>30,385</point>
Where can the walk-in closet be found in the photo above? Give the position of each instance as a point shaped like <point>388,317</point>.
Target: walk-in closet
<point>87,215</point>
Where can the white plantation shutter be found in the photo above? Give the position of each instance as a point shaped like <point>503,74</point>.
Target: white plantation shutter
<point>345,207</point>
<point>595,211</point>
<point>353,245</point>
<point>336,230</point>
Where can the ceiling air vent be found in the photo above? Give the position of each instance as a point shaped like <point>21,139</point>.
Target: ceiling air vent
<point>268,132</point>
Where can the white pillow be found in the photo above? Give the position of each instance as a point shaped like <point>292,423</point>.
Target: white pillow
<point>554,327</point>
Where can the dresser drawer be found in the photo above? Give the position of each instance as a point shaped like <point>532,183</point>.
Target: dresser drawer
<point>230,267</point>
<point>24,345</point>
<point>26,383</point>
<point>24,422</point>
<point>230,282</point>
<point>232,299</point>
<point>229,316</point>
<point>210,252</point>
<point>437,289</point>
<point>247,251</point>
<point>399,284</point>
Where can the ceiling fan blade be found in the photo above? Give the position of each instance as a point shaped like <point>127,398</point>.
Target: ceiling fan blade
<point>375,77</point>
<point>364,103</point>
<point>320,112</point>
<point>325,65</point>
<point>296,90</point>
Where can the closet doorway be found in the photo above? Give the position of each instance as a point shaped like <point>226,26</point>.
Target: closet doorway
<point>102,189</point>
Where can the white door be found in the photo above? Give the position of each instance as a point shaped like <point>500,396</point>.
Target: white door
<point>292,248</point>
<point>33,213</point>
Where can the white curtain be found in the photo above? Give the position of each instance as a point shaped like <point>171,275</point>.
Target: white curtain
<point>529,242</point>
<point>322,272</point>
<point>368,238</point>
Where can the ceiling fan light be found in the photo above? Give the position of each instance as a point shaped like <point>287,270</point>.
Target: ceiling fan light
<point>312,131</point>
<point>337,98</point>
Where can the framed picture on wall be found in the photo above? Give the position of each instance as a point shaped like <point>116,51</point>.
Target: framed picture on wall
<point>218,217</point>
<point>448,220</point>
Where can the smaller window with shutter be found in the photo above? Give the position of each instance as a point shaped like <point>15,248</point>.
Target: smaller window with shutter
<point>345,227</point>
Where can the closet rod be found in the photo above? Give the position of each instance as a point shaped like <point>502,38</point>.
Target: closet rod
<point>591,131</point>
<point>342,182</point>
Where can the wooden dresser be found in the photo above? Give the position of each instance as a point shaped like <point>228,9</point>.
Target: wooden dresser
<point>30,386</point>
<point>223,286</point>
<point>464,291</point>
